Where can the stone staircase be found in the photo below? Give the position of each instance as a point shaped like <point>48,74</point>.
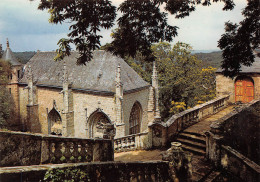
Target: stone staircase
<point>193,142</point>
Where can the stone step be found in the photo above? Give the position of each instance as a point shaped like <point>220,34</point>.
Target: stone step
<point>211,177</point>
<point>193,133</point>
<point>192,137</point>
<point>192,143</point>
<point>193,150</point>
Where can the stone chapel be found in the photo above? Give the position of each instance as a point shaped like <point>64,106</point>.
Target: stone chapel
<point>63,98</point>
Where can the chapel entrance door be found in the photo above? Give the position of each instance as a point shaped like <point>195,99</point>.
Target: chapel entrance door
<point>244,89</point>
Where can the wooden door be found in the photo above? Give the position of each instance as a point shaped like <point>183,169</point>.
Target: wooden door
<point>244,90</point>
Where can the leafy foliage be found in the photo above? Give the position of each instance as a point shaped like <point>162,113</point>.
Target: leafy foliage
<point>24,57</point>
<point>6,101</point>
<point>68,175</point>
<point>239,41</point>
<point>142,23</point>
<point>183,80</point>
<point>87,18</point>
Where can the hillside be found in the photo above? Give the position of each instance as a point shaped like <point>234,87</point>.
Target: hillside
<point>211,59</point>
<point>24,57</point>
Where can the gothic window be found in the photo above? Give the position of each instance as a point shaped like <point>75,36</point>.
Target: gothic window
<point>55,122</point>
<point>135,119</point>
<point>97,124</point>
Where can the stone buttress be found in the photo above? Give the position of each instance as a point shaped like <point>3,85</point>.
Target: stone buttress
<point>68,113</point>
<point>33,124</point>
<point>119,124</point>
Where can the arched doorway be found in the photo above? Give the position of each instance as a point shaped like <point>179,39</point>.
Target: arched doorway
<point>135,119</point>
<point>55,122</point>
<point>244,89</point>
<point>97,124</point>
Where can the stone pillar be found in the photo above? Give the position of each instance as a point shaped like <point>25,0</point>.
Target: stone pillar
<point>180,168</point>
<point>213,144</point>
<point>120,125</point>
<point>68,114</point>
<point>30,86</point>
<point>33,124</point>
<point>151,105</point>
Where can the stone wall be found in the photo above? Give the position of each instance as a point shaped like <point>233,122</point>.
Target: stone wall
<point>84,104</point>
<point>239,165</point>
<point>101,171</point>
<point>225,86</point>
<point>239,129</point>
<point>20,149</point>
<point>233,141</point>
<point>128,102</point>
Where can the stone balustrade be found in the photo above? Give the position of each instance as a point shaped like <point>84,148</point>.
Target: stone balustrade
<point>178,122</point>
<point>152,171</point>
<point>191,116</point>
<point>20,149</point>
<point>131,142</point>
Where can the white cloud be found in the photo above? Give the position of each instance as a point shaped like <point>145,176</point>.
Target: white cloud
<point>28,28</point>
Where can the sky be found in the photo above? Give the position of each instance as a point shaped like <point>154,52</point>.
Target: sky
<point>28,29</point>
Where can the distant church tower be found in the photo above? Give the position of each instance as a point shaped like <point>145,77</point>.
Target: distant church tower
<point>12,86</point>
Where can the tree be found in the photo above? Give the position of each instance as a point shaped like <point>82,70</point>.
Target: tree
<point>184,82</point>
<point>240,41</point>
<point>142,23</point>
<point>6,101</point>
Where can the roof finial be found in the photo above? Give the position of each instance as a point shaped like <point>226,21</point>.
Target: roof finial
<point>7,43</point>
<point>30,75</point>
<point>65,73</point>
<point>154,76</point>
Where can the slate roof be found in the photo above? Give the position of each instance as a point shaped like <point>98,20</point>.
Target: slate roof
<point>97,75</point>
<point>9,56</point>
<point>254,68</point>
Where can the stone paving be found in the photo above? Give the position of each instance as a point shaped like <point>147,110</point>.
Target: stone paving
<point>204,124</point>
<point>139,155</point>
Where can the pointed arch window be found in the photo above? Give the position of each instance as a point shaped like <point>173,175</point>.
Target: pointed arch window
<point>55,122</point>
<point>135,119</point>
<point>96,124</point>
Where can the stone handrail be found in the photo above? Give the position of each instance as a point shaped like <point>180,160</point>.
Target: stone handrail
<point>189,117</point>
<point>229,157</point>
<point>130,142</point>
<point>152,171</point>
<point>198,112</point>
<point>19,149</point>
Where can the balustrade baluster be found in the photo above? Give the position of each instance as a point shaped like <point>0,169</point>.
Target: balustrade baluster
<point>89,151</point>
<point>124,145</point>
<point>51,152</point>
<point>115,146</point>
<point>83,153</point>
<point>58,153</point>
<point>140,175</point>
<point>119,145</point>
<point>67,152</point>
<point>132,143</point>
<point>75,152</point>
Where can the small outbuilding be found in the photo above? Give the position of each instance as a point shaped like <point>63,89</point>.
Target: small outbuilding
<point>245,87</point>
